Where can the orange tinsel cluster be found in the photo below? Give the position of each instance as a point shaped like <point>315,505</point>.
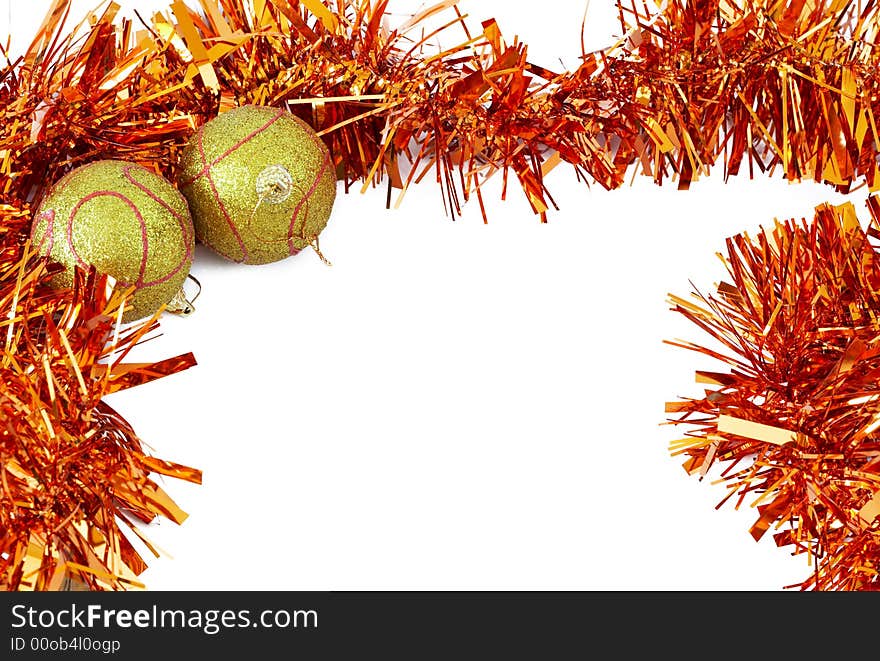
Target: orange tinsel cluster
<point>790,86</point>
<point>753,84</point>
<point>73,472</point>
<point>794,416</point>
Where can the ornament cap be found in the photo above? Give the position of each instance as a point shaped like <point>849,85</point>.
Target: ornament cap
<point>274,184</point>
<point>180,304</point>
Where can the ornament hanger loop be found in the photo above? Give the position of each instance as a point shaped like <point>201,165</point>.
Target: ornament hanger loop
<point>180,304</point>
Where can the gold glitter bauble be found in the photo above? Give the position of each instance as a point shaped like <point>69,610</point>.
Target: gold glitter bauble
<point>124,220</point>
<point>260,184</point>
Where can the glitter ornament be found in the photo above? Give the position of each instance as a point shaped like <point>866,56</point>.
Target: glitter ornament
<point>260,184</point>
<point>127,222</point>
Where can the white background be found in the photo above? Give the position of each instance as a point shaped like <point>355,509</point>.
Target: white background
<point>455,405</point>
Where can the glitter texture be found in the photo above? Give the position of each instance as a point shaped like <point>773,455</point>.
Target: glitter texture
<point>124,220</point>
<point>224,167</point>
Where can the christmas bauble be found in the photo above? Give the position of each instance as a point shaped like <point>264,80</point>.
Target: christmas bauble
<point>260,184</point>
<point>124,220</point>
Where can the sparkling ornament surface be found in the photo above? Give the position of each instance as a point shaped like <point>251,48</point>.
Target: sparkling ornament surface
<point>124,220</point>
<point>259,182</point>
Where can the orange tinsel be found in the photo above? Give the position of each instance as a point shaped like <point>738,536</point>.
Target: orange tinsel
<point>73,472</point>
<point>754,84</point>
<point>793,416</point>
